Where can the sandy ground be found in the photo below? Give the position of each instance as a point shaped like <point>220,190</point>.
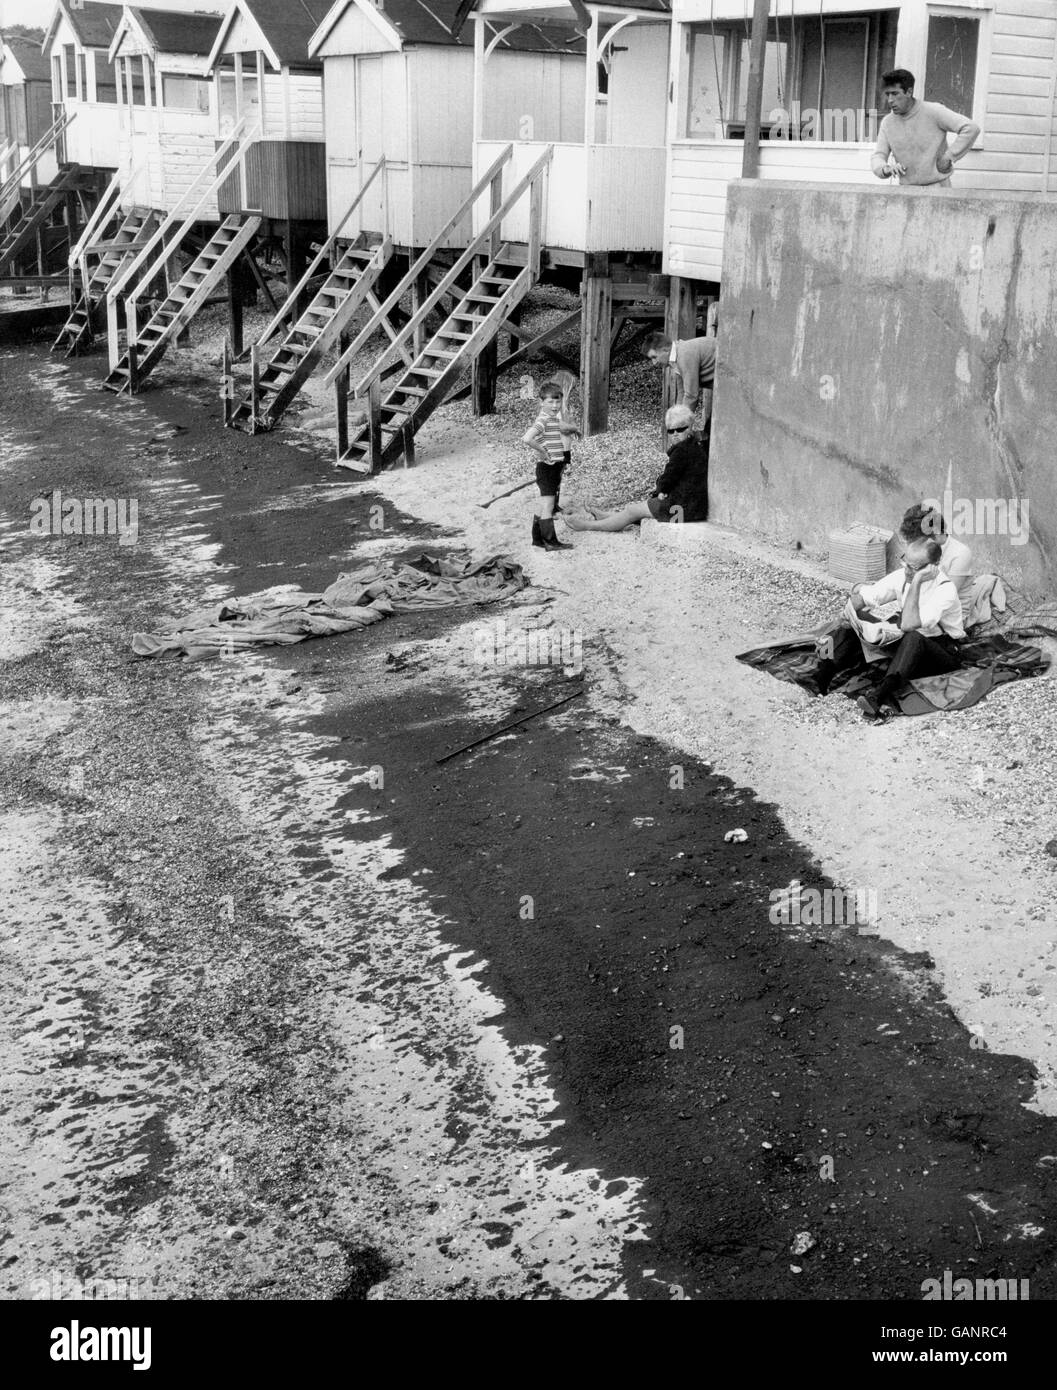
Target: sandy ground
<point>265,1058</point>
<point>947,819</point>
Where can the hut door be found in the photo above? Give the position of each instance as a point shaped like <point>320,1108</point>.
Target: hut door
<point>370,128</point>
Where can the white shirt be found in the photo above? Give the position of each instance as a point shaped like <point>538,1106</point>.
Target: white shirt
<point>939,607</point>
<point>956,560</point>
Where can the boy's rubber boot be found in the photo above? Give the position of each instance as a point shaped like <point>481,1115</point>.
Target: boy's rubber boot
<point>537,538</point>
<point>550,540</point>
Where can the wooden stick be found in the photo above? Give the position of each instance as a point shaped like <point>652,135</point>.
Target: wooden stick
<point>506,727</point>
<point>520,488</point>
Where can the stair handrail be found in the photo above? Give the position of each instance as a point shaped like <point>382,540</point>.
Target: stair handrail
<point>495,220</point>
<point>381,314</point>
<point>36,154</point>
<point>291,299</point>
<point>118,285</point>
<point>102,211</point>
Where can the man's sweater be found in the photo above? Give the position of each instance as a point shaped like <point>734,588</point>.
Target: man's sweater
<point>919,139</point>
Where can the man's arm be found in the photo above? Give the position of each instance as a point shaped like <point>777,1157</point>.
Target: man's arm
<point>965,134</point>
<point>879,159</point>
<point>689,372</point>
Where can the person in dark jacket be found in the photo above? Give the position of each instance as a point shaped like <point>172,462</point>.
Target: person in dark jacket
<point>682,489</point>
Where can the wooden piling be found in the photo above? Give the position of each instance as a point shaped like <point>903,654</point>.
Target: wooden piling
<point>595,335</point>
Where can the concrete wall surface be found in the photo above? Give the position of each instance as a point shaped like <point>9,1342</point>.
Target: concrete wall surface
<point>876,343</point>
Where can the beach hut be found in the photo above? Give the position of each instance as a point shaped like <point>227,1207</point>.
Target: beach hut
<point>265,183</point>
<point>567,171</point>
<point>993,62</point>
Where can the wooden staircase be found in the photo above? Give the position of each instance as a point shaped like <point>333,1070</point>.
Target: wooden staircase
<point>501,277</point>
<point>411,398</point>
<point>34,213</point>
<point>345,291</point>
<point>144,350</point>
<point>90,284</point>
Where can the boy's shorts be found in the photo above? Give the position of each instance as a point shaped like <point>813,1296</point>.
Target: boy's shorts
<point>549,476</point>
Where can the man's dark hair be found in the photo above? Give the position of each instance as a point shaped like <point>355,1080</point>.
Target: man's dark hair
<point>922,520</point>
<point>656,342</point>
<point>898,77</point>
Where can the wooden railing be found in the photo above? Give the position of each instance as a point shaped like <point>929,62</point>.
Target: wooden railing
<point>290,304</point>
<point>28,165</point>
<point>485,243</point>
<point>380,318</point>
<point>168,240</point>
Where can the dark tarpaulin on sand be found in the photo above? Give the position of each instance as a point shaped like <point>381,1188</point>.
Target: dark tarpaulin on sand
<point>353,601</point>
<point>991,656</point>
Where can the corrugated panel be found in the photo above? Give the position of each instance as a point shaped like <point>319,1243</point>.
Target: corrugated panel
<point>625,198</point>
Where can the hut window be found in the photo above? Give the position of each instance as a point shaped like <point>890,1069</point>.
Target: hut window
<point>185,93</point>
<point>950,61</point>
<point>820,77</point>
<point>105,80</point>
<point>69,54</point>
<point>82,75</point>
<point>56,78</point>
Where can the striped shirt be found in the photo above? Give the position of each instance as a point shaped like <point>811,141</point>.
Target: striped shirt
<point>546,432</point>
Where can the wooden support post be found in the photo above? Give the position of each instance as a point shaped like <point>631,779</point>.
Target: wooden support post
<point>255,387</point>
<point>597,293</point>
<point>407,444</point>
<point>750,154</point>
<point>235,334</point>
<point>227,385</point>
<point>341,398</point>
<point>374,423</point>
<point>484,371</point>
<point>295,259</point>
<point>680,321</point>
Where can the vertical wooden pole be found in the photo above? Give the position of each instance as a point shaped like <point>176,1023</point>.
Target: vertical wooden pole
<point>591,79</point>
<point>236,339</point>
<point>485,364</point>
<point>680,321</point>
<point>407,443</point>
<point>478,83</point>
<point>374,422</point>
<point>227,385</point>
<point>255,388</point>
<point>341,399</point>
<point>596,327</point>
<point>750,155</point>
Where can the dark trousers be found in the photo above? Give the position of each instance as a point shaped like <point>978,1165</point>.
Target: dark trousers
<point>913,656</point>
<point>918,656</point>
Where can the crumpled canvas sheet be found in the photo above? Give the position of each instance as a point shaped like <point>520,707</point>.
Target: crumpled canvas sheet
<point>353,601</point>
<point>995,652</point>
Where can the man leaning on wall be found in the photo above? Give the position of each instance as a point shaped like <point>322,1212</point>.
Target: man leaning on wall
<point>912,141</point>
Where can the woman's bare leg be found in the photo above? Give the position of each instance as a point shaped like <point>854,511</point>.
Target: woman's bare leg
<point>614,521</point>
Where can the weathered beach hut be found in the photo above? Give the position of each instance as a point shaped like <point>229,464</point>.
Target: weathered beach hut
<point>567,170</point>
<point>993,62</point>
<point>265,183</point>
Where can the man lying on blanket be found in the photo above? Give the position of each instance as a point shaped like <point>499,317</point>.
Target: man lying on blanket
<point>914,613</point>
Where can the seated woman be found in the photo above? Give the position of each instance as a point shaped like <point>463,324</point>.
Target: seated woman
<point>682,489</point>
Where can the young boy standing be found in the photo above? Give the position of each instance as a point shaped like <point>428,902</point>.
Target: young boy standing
<point>548,436</point>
